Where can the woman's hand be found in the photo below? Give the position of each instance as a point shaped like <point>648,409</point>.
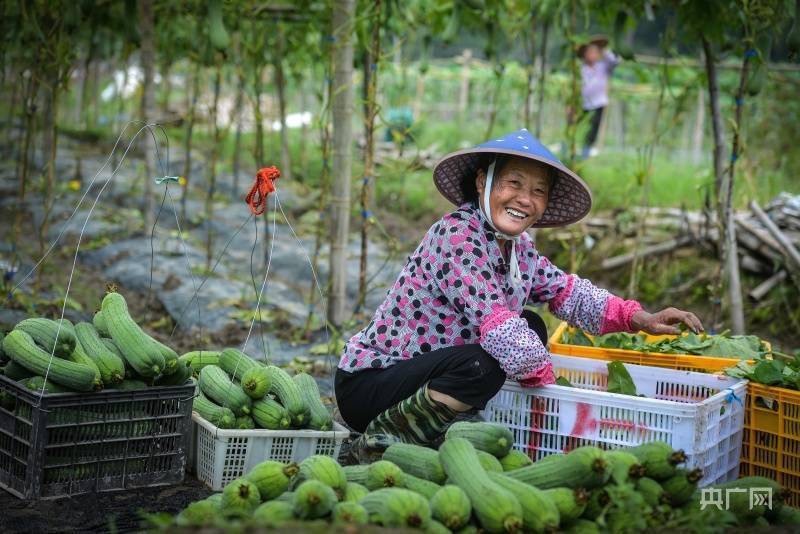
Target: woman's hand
<point>664,321</point>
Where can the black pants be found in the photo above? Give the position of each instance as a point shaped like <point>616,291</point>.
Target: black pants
<point>466,372</point>
<point>595,118</point>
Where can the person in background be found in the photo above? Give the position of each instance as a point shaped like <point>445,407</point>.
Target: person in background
<point>598,65</point>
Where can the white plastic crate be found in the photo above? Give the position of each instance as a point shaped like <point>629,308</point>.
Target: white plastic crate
<point>220,456</point>
<point>700,413</point>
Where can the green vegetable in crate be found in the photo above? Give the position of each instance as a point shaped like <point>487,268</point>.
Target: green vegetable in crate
<point>539,513</point>
<point>320,417</point>
<point>680,487</point>
<point>79,356</point>
<point>21,348</point>
<point>197,359</point>
<point>434,527</point>
<point>287,496</point>
<point>109,344</point>
<point>236,363</point>
<point>289,395</point>
<point>99,323</point>
<point>216,385</point>
<point>623,466</point>
<point>135,345</point>
<point>582,467</point>
<point>203,513</point>
<point>215,414</point>
<point>620,380</point>
<point>570,503</point>
<point>625,511</point>
<point>652,491</point>
<point>397,507</point>
<point>272,478</point>
<point>353,491</point>
<point>350,513</point>
<point>450,505</point>
<point>380,474</point>
<point>178,378</point>
<point>416,460</point>
<point>216,498</point>
<point>269,414</point>
<point>170,356</point>
<point>273,514</point>
<point>326,470</point>
<point>244,422</point>
<point>255,383</point>
<point>16,372</point>
<point>495,507</point>
<point>598,503</point>
<point>240,498</point>
<point>426,488</point>
<point>36,383</point>
<point>44,331</point>
<point>130,384</point>
<point>111,366</point>
<point>488,437</point>
<point>514,460</point>
<point>313,499</point>
<point>658,459</point>
<point>489,462</point>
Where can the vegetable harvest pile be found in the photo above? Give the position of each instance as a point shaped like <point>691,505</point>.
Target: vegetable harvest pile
<point>720,345</point>
<point>476,483</point>
<point>112,352</point>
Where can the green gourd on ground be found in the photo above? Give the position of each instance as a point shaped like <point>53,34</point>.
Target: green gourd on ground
<point>135,345</point>
<point>313,499</point>
<point>397,508</point>
<point>426,488</point>
<point>269,414</point>
<point>21,348</point>
<point>659,460</point>
<point>623,466</point>
<point>52,337</point>
<point>287,392</point>
<point>539,513</point>
<point>451,506</point>
<point>651,490</point>
<point>110,365</point>
<point>319,416</point>
<point>239,499</point>
<point>489,462</point>
<point>380,474</point>
<point>495,507</point>
<point>215,414</point>
<point>514,460</point>
<point>570,502</point>
<point>273,514</point>
<point>417,460</point>
<point>680,487</point>
<point>582,467</point>
<point>326,470</point>
<point>203,513</point>
<point>272,478</point>
<point>217,386</point>
<point>493,438</point>
<point>353,491</point>
<point>350,513</point>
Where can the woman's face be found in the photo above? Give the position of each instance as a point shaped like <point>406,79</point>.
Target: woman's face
<point>518,196</point>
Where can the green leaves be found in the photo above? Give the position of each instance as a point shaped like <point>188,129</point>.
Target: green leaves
<point>619,379</point>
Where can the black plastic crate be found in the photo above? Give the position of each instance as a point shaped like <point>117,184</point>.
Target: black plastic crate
<point>65,444</point>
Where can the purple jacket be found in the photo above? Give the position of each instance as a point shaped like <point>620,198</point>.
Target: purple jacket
<point>454,290</point>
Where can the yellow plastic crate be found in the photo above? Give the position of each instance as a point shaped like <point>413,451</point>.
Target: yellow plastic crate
<point>684,362</point>
<point>771,443</point>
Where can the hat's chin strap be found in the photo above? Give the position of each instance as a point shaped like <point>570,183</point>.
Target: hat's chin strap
<point>486,212</point>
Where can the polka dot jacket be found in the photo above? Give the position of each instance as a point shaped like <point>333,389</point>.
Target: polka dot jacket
<point>455,290</point>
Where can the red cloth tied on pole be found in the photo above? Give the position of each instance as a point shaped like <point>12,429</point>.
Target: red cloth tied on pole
<point>264,185</point>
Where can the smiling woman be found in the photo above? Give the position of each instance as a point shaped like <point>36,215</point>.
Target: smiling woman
<point>452,328</point>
